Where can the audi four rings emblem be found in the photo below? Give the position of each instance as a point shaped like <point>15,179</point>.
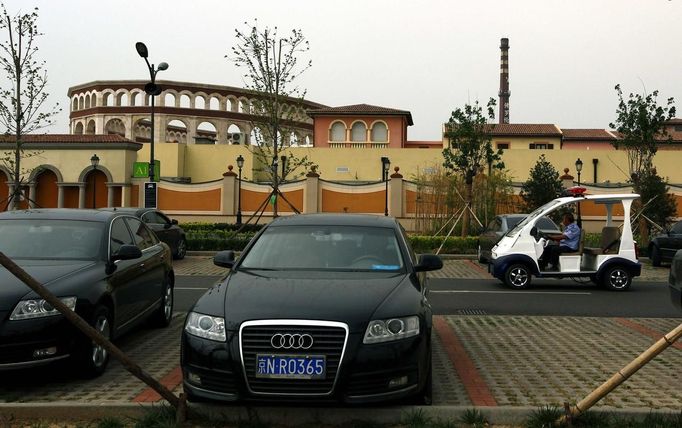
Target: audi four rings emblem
<point>291,341</point>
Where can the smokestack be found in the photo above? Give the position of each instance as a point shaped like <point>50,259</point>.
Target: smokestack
<point>504,81</point>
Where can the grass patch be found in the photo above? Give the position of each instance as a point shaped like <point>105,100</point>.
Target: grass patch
<point>473,418</point>
<point>544,417</point>
<point>417,419</point>
<point>109,422</point>
<point>159,417</point>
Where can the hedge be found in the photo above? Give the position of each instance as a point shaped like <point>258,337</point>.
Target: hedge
<point>201,237</point>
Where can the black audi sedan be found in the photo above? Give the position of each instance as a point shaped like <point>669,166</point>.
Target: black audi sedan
<point>108,267</point>
<point>166,229</point>
<point>318,307</point>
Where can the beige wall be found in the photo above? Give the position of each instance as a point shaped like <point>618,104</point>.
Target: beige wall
<point>209,162</point>
<point>73,163</point>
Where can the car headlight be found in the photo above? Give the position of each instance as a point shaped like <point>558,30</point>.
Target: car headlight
<point>37,308</point>
<point>206,326</point>
<point>391,329</point>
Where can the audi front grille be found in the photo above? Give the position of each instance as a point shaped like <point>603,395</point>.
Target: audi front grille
<point>329,339</point>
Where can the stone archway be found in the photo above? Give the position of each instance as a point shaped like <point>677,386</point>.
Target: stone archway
<point>96,195</point>
<point>46,189</point>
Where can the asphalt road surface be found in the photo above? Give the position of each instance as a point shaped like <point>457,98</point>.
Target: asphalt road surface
<point>489,297</point>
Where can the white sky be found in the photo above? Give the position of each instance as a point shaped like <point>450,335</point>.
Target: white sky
<point>427,57</point>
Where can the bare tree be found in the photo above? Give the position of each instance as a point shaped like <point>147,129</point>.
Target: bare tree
<point>23,92</point>
<point>272,66</point>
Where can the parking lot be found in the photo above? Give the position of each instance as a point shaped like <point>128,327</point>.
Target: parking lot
<point>481,360</point>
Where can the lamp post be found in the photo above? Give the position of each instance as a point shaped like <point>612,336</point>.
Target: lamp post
<point>240,165</point>
<point>94,161</point>
<point>385,165</point>
<point>153,90</point>
<point>578,168</point>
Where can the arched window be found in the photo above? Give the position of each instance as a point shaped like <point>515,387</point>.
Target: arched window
<point>337,132</point>
<point>358,132</point>
<point>379,132</point>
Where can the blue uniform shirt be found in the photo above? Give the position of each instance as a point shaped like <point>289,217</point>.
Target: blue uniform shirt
<point>572,233</point>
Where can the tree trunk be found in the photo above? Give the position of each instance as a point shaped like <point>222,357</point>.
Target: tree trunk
<point>467,205</point>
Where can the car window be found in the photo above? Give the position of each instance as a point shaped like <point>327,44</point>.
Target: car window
<point>545,223</point>
<point>677,228</point>
<point>154,218</point>
<point>120,235</point>
<point>410,251</point>
<point>325,248</point>
<point>144,238</point>
<point>513,221</point>
<point>497,227</point>
<point>491,225</point>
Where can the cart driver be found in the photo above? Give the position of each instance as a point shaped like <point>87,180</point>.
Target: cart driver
<point>569,241</point>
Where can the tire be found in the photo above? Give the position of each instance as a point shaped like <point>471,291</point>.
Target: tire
<point>655,256</point>
<point>617,278</point>
<point>517,276</point>
<point>181,250</point>
<point>163,315</point>
<point>91,360</point>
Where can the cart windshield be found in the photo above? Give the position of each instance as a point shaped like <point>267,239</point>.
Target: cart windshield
<point>551,204</point>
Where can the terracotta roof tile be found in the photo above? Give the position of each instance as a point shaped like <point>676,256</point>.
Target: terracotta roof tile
<point>67,138</point>
<point>524,129</point>
<point>361,109</point>
<point>587,134</point>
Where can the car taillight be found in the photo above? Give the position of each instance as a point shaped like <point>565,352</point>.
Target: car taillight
<point>636,250</point>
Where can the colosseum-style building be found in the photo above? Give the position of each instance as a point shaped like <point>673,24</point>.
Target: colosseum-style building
<point>189,113</point>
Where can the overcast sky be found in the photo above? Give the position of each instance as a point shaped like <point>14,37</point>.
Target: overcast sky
<point>427,57</point>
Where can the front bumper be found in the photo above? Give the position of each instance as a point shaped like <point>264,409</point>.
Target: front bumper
<point>35,342</point>
<point>367,373</point>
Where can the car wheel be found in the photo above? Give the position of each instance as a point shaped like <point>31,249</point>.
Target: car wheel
<point>655,256</point>
<point>92,359</point>
<point>617,279</point>
<point>163,316</point>
<point>181,250</point>
<point>517,276</point>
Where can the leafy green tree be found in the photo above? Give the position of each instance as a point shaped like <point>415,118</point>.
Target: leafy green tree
<point>22,91</point>
<point>542,186</point>
<point>271,64</point>
<point>470,148</point>
<point>641,124</point>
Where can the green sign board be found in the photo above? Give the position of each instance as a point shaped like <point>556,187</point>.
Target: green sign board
<point>141,170</point>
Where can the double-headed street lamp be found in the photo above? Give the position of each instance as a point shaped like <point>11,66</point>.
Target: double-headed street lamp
<point>578,168</point>
<point>94,161</point>
<point>153,90</point>
<point>385,165</point>
<point>240,165</point>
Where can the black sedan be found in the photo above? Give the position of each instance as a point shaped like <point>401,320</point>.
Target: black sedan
<point>166,229</point>
<point>500,225</point>
<point>663,247</point>
<point>106,266</point>
<point>318,307</point>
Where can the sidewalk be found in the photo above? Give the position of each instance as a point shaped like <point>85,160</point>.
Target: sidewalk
<point>505,365</point>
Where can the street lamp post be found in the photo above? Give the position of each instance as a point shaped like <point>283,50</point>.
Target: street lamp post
<point>578,168</point>
<point>385,165</point>
<point>94,161</point>
<point>153,90</point>
<point>240,165</point>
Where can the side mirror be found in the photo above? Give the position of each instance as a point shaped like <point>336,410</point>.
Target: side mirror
<point>428,262</point>
<point>174,221</point>
<point>224,259</point>
<point>127,252</point>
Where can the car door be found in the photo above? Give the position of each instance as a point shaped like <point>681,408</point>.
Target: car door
<point>149,287</point>
<point>124,278</point>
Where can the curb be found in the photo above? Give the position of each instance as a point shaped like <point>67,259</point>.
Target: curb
<point>285,416</point>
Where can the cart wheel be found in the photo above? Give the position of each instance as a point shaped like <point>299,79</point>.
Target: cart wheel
<point>617,278</point>
<point>517,276</point>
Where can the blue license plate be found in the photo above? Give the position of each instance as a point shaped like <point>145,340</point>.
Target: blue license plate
<point>291,366</point>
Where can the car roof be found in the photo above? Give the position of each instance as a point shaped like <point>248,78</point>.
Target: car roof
<point>60,214</point>
<point>129,210</point>
<point>327,219</point>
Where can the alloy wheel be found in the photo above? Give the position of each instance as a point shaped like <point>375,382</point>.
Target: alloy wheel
<point>99,353</point>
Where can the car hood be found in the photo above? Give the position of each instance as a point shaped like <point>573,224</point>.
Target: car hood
<point>349,297</point>
<point>46,272</point>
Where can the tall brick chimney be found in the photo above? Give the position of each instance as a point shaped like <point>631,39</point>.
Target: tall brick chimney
<point>504,81</point>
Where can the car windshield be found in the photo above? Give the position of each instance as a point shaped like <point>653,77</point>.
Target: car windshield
<point>50,239</point>
<point>532,215</point>
<point>342,248</point>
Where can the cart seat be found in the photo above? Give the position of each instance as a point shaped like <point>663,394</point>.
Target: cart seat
<point>609,243</point>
